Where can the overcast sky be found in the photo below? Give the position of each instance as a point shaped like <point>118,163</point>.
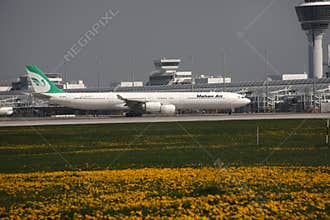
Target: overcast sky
<point>124,36</point>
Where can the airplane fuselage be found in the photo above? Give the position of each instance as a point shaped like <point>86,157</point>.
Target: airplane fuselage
<point>181,100</point>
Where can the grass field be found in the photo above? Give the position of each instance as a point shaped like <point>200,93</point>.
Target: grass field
<point>209,169</point>
<point>188,144</point>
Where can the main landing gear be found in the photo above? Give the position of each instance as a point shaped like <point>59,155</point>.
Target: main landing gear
<point>133,114</point>
<point>231,111</point>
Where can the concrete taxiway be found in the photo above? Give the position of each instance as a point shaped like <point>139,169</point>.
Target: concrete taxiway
<point>11,122</point>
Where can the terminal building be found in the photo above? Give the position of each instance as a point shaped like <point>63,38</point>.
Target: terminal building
<point>294,76</point>
<point>204,79</point>
<point>79,84</point>
<point>126,84</point>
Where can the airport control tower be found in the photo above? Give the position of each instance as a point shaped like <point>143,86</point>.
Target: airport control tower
<point>314,16</point>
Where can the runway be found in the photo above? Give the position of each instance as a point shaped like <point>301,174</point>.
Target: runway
<point>12,122</point>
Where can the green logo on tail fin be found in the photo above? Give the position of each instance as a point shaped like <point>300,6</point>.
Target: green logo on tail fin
<point>40,82</point>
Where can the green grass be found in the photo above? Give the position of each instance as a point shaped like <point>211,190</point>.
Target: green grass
<point>182,144</point>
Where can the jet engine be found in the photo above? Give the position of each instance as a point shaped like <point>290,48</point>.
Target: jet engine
<point>157,107</point>
<point>6,111</point>
<point>167,109</point>
<point>152,107</point>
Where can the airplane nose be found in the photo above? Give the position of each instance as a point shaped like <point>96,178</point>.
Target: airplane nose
<point>247,101</point>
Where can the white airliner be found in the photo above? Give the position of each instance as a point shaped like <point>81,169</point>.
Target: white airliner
<point>6,111</point>
<point>134,103</point>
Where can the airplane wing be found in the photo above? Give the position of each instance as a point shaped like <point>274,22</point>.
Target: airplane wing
<point>137,107</point>
<point>133,105</point>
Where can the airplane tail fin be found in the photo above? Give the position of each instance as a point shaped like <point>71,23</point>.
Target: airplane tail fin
<point>40,82</point>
